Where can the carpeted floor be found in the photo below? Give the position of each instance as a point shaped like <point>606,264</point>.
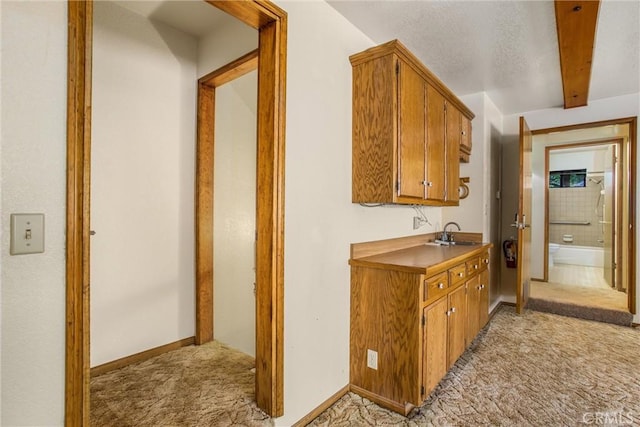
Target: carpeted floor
<point>537,369</point>
<point>208,385</point>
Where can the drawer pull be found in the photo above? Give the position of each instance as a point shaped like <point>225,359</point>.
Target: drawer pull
<point>448,313</point>
<point>486,260</point>
<point>461,274</point>
<point>481,286</point>
<point>475,266</point>
<point>440,285</point>
<point>453,309</point>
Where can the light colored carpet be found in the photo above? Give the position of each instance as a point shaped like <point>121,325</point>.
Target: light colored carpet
<point>573,294</point>
<point>208,385</point>
<point>537,369</point>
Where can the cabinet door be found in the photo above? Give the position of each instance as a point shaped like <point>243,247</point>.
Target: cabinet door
<point>453,153</point>
<point>465,138</point>
<point>483,302</point>
<point>457,323</point>
<point>435,344</point>
<point>411,132</point>
<point>436,164</point>
<point>473,307</point>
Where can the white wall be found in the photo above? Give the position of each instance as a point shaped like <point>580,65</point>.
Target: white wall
<point>320,220</point>
<point>487,122</point>
<point>143,142</point>
<point>33,140</point>
<point>603,109</point>
<point>235,213</point>
<point>227,42</point>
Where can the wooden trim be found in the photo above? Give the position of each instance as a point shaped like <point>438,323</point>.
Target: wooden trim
<point>631,277</point>
<point>576,28</point>
<point>204,213</point>
<point>270,219</point>
<point>270,60</point>
<point>633,140</point>
<point>232,70</point>
<point>141,356</point>
<point>307,419</point>
<point>272,24</point>
<point>255,13</point>
<point>80,30</point>
<point>622,121</point>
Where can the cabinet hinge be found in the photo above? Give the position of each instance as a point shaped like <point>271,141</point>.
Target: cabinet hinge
<point>424,320</point>
<point>422,390</point>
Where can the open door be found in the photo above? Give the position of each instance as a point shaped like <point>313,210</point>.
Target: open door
<point>524,215</point>
<point>608,216</point>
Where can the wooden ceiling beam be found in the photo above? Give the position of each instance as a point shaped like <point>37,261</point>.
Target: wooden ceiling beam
<point>576,26</point>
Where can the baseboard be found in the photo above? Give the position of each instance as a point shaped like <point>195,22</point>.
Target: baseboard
<point>139,357</point>
<point>322,407</point>
<point>498,306</point>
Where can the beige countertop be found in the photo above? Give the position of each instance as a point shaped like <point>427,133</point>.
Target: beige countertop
<point>426,258</point>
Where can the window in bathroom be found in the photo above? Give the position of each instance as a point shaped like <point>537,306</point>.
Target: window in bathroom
<point>568,178</point>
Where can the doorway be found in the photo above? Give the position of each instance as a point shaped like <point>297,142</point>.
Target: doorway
<point>582,226</point>
<point>271,22</point>
<point>618,139</point>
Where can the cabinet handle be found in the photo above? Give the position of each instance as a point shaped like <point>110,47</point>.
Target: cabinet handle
<point>463,132</point>
<point>460,274</point>
<point>475,266</point>
<point>428,183</point>
<point>481,286</point>
<point>448,313</point>
<point>486,261</point>
<point>440,285</point>
<point>453,309</point>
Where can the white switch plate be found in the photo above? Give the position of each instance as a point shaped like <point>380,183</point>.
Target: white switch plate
<point>372,359</point>
<point>27,234</point>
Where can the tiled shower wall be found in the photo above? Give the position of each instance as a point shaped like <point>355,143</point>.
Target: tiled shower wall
<point>576,204</point>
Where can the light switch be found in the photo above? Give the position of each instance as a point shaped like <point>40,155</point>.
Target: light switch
<point>27,234</point>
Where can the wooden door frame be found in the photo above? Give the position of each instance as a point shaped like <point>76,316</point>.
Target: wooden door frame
<point>633,140</point>
<point>548,149</point>
<point>271,22</point>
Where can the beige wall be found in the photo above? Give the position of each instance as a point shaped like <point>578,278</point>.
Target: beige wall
<point>143,140</point>
<point>33,140</point>
<point>234,216</point>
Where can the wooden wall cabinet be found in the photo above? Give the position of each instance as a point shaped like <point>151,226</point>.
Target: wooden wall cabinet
<point>408,130</point>
<point>419,321</point>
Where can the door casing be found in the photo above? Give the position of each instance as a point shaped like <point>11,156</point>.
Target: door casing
<point>271,22</point>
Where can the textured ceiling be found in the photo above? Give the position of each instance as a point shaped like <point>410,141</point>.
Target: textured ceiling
<point>507,48</point>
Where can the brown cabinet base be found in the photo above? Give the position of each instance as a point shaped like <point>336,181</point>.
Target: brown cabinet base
<point>409,325</point>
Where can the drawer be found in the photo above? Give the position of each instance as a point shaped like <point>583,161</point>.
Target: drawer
<point>436,285</point>
<point>484,260</point>
<point>473,266</point>
<point>457,274</point>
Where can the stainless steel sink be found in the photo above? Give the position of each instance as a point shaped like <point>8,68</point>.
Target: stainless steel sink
<point>465,243</point>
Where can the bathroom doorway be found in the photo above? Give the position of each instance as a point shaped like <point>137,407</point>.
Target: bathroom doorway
<point>583,179</point>
<point>582,224</point>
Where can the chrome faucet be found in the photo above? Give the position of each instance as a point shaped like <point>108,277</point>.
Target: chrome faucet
<point>448,237</point>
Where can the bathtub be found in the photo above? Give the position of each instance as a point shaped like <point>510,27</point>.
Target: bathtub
<point>580,255</point>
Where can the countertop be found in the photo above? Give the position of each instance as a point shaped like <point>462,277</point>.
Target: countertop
<point>425,258</point>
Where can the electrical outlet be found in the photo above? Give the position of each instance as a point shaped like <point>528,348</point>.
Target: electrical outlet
<point>417,222</point>
<point>372,359</point>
